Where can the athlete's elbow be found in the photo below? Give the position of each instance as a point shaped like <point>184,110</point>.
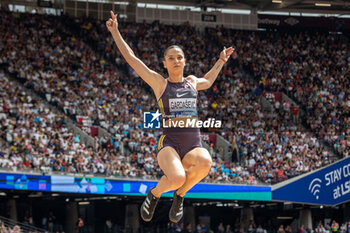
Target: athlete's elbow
<point>205,85</point>
<point>209,85</point>
<point>132,53</point>
<point>129,56</point>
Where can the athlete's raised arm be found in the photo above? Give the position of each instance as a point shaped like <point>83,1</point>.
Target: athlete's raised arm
<point>152,78</point>
<point>210,77</point>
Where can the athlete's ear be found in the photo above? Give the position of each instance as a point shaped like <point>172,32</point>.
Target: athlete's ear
<point>164,64</point>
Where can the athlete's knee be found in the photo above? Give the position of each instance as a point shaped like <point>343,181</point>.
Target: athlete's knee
<point>178,180</point>
<point>205,162</point>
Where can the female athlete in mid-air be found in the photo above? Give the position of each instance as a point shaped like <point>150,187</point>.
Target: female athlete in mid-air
<point>180,153</point>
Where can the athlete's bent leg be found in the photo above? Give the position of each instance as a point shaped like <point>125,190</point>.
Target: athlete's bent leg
<point>197,162</point>
<point>174,173</point>
<point>174,177</point>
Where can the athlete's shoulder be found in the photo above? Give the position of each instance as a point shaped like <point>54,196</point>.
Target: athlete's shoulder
<point>192,79</point>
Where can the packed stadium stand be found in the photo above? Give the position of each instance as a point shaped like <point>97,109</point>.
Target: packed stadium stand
<point>75,93</point>
<point>312,68</point>
<point>61,69</point>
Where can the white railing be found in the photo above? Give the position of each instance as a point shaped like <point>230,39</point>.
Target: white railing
<point>24,228</point>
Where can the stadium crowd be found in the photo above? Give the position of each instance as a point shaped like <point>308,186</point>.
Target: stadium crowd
<point>41,141</point>
<point>60,65</point>
<point>59,91</point>
<point>15,229</point>
<point>232,98</point>
<point>319,227</point>
<point>313,69</point>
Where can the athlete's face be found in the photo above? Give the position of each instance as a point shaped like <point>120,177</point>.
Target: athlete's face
<point>174,60</point>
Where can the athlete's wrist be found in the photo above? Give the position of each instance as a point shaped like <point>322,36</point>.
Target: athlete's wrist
<point>222,59</point>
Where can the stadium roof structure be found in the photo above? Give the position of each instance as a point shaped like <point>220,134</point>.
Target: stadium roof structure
<point>330,7</point>
<point>310,6</point>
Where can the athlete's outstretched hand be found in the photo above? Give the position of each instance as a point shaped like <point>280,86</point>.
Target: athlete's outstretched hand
<point>112,23</point>
<point>227,52</point>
